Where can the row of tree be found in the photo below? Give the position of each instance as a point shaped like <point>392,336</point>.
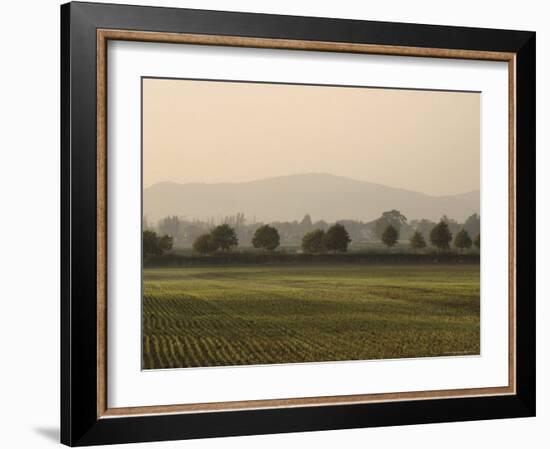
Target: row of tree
<point>221,237</point>
<point>267,238</point>
<point>185,231</point>
<point>335,239</point>
<point>440,238</point>
<point>224,237</point>
<point>155,245</point>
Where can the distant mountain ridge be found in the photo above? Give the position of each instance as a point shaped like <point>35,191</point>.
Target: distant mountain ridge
<point>288,198</point>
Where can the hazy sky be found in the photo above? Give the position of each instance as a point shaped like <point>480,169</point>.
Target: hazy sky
<point>205,131</point>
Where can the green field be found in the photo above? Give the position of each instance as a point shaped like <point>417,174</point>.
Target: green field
<point>240,315</point>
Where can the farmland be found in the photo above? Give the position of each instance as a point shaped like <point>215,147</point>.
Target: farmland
<point>218,315</point>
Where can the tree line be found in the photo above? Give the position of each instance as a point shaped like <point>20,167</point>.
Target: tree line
<point>335,239</point>
<point>185,231</point>
<point>440,238</point>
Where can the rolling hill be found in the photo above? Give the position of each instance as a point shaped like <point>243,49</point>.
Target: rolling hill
<point>287,198</point>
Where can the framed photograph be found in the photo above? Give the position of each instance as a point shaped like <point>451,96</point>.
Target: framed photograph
<point>273,224</point>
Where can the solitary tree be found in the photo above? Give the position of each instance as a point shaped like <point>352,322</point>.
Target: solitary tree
<point>205,244</point>
<point>337,238</point>
<point>150,246</point>
<point>266,237</point>
<point>440,236</point>
<point>462,240</point>
<point>165,243</point>
<point>389,218</point>
<point>477,241</point>
<point>224,236</point>
<point>314,241</point>
<point>417,241</point>
<point>390,236</point>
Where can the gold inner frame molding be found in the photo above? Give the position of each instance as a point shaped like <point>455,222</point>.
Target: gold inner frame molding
<point>105,35</point>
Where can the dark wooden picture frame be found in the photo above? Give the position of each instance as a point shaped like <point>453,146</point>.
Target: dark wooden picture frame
<point>86,29</point>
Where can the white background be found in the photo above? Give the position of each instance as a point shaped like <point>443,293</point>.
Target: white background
<point>29,192</point>
<point>128,386</point>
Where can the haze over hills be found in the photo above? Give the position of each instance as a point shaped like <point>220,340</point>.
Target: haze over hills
<point>288,198</point>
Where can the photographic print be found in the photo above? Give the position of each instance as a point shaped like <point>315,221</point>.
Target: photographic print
<point>257,224</point>
<point>294,223</point>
